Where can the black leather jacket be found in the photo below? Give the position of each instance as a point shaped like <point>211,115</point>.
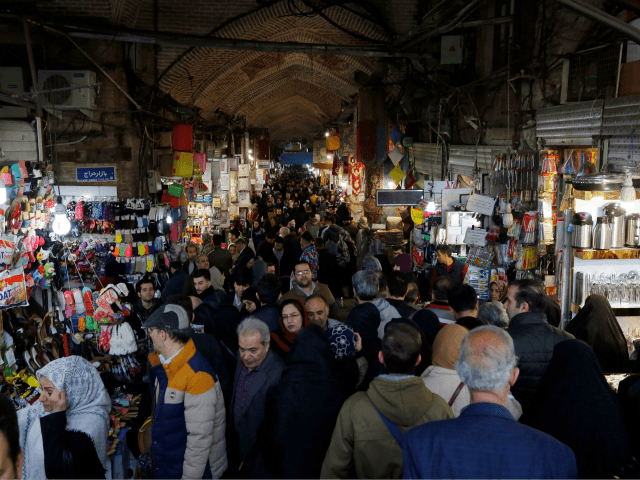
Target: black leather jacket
<point>534,340</point>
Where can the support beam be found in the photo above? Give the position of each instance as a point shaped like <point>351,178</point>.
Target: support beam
<point>603,18</point>
<point>6,97</point>
<point>179,40</point>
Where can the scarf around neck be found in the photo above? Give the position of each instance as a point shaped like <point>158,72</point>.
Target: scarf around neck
<point>284,338</point>
<point>88,407</point>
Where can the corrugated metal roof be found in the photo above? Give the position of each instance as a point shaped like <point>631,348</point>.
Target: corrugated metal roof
<point>576,120</point>
<point>428,159</point>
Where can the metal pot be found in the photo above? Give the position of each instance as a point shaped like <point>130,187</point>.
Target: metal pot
<point>616,214</point>
<point>602,234</point>
<point>633,230</point>
<point>582,228</point>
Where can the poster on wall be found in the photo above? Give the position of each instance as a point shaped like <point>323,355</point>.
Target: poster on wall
<point>233,187</point>
<point>243,184</point>
<point>224,220</point>
<point>244,199</point>
<point>13,289</point>
<point>224,200</point>
<point>224,181</point>
<point>243,170</point>
<point>224,165</point>
<point>233,164</point>
<point>234,210</point>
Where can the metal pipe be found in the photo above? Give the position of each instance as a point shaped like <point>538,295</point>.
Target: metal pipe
<point>180,40</point>
<point>34,81</point>
<point>565,285</point>
<point>603,18</point>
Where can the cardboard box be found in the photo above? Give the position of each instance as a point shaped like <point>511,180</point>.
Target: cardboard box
<point>629,74</point>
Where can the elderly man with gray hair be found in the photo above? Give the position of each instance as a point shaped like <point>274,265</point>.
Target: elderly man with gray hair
<point>365,287</point>
<point>258,370</point>
<point>494,314</point>
<point>469,446</point>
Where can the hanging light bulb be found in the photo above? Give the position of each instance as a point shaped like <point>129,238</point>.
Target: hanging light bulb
<point>628,193</point>
<point>3,192</point>
<point>326,134</point>
<point>169,219</point>
<point>329,156</point>
<point>61,224</point>
<point>431,206</point>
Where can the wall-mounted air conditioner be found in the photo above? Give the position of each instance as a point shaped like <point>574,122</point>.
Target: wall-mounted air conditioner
<point>67,90</point>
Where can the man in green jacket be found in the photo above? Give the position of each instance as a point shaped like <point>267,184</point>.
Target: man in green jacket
<point>363,446</point>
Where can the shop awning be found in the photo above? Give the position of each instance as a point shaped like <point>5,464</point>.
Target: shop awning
<point>462,158</point>
<point>620,121</point>
<point>569,125</point>
<point>302,158</point>
<point>427,158</point>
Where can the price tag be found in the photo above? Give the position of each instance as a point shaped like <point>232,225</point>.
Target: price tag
<point>11,358</point>
<point>481,204</point>
<point>476,237</point>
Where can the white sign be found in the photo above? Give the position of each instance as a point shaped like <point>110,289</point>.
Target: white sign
<point>243,170</point>
<point>476,237</point>
<point>224,181</point>
<point>481,204</point>
<point>243,183</point>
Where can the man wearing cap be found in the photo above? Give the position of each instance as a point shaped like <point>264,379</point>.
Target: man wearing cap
<point>188,429</point>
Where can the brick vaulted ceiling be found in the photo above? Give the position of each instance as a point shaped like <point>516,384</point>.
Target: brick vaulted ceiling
<point>291,94</point>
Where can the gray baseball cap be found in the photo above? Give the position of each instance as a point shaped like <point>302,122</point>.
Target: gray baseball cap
<point>173,317</point>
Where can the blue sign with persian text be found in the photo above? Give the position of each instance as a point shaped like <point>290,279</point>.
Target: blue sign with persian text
<point>96,174</point>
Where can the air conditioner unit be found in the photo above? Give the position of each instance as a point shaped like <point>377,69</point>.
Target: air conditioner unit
<point>67,90</point>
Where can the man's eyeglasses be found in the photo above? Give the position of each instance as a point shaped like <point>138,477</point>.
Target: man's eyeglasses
<point>304,272</point>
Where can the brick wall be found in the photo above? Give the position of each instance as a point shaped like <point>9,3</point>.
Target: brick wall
<point>109,100</point>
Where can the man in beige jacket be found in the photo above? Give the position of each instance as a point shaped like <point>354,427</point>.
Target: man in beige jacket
<point>364,441</point>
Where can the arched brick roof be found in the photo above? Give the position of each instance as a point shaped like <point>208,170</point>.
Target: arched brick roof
<point>279,91</point>
<point>294,87</point>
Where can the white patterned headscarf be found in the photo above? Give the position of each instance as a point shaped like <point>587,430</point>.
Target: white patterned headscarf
<point>88,407</point>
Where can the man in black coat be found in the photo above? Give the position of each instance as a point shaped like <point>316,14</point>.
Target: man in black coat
<point>308,399</point>
<point>269,291</point>
<point>175,285</point>
<point>397,289</point>
<point>258,371</point>
<point>534,339</point>
<point>244,253</point>
<point>192,259</point>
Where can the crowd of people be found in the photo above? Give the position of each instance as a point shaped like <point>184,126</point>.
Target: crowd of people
<point>300,348</point>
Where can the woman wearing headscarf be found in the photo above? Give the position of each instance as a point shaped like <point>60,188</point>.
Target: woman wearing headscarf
<point>575,404</point>
<point>301,413</point>
<point>217,279</point>
<point>293,318</point>
<point>498,291</point>
<point>362,240</point>
<point>376,250</point>
<point>250,302</point>
<point>441,377</point>
<point>596,325</point>
<point>64,434</point>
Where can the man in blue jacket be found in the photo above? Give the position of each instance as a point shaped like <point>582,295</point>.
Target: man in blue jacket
<point>485,441</point>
